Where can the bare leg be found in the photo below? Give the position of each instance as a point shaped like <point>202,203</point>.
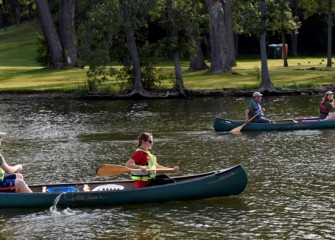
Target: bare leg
<point>21,186</point>
<point>19,176</point>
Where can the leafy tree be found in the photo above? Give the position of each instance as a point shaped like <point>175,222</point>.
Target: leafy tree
<point>117,30</point>
<point>98,30</point>
<point>245,14</point>
<point>217,30</point>
<point>67,32</point>
<point>266,84</point>
<point>277,19</point>
<point>294,35</point>
<point>50,33</point>
<point>197,28</point>
<point>326,7</point>
<point>281,21</point>
<point>229,32</point>
<point>174,47</point>
<point>182,21</point>
<point>126,12</point>
<point>61,44</point>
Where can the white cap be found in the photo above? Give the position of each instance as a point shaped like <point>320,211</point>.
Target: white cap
<point>329,92</point>
<point>257,94</point>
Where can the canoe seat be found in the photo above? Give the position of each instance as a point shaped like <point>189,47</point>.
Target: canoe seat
<point>108,187</point>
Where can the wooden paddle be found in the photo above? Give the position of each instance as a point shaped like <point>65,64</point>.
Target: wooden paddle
<point>112,170</point>
<point>237,130</point>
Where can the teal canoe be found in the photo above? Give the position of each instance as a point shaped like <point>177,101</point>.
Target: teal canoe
<point>226,182</point>
<point>225,125</point>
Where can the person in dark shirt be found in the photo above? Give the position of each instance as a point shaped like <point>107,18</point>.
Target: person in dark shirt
<point>254,108</point>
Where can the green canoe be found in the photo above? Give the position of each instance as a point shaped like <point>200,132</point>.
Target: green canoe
<point>225,125</point>
<point>225,182</point>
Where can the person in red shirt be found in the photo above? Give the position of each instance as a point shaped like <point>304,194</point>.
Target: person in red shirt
<point>144,160</point>
<point>327,107</point>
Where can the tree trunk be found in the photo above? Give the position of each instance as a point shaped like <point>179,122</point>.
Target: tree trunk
<point>284,53</point>
<point>266,84</point>
<point>229,33</point>
<point>175,52</point>
<point>197,61</point>
<point>330,32</point>
<point>219,62</point>
<point>294,44</point>
<point>67,32</point>
<point>179,76</point>
<point>50,33</point>
<point>131,44</point>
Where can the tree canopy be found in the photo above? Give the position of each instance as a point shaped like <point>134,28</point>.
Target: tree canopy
<point>95,33</point>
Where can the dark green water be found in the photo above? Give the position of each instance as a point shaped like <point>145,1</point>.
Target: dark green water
<point>291,187</point>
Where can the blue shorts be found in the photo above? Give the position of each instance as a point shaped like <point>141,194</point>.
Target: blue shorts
<point>8,183</point>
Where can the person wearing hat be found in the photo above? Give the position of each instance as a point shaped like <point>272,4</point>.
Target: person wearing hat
<point>326,106</point>
<point>254,108</point>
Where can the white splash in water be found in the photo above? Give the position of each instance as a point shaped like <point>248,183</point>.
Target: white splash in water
<point>53,208</point>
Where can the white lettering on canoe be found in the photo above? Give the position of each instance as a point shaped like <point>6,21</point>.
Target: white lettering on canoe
<point>85,197</point>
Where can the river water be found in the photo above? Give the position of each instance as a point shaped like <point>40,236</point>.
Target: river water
<point>291,187</point>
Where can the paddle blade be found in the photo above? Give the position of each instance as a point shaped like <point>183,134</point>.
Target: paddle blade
<point>237,130</point>
<point>112,170</point>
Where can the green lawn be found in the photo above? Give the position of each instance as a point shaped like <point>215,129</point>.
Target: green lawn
<point>20,72</point>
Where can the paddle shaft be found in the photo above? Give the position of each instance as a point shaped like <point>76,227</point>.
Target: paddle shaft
<point>112,170</point>
<point>239,128</point>
<point>253,118</point>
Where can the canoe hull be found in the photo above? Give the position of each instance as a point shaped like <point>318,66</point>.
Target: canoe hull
<point>226,182</point>
<point>226,125</point>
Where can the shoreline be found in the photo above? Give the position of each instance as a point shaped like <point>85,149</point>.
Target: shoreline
<point>191,93</point>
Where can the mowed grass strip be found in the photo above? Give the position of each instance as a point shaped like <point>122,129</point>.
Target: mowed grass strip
<point>39,79</point>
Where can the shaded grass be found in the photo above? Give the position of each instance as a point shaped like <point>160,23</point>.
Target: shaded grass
<point>39,79</point>
<point>20,72</point>
<point>17,45</point>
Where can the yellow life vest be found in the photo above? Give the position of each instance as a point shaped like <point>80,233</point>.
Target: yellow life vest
<point>2,172</point>
<point>142,176</point>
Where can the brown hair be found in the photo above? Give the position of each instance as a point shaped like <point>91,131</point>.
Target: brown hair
<point>143,137</point>
<point>326,95</point>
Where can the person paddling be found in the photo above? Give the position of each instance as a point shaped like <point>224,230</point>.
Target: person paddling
<point>10,178</point>
<point>326,106</point>
<point>143,159</point>
<point>254,108</point>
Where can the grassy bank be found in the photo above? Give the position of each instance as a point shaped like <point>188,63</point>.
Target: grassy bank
<point>20,72</point>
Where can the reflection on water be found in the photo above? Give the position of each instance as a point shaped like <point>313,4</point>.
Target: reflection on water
<point>290,194</point>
